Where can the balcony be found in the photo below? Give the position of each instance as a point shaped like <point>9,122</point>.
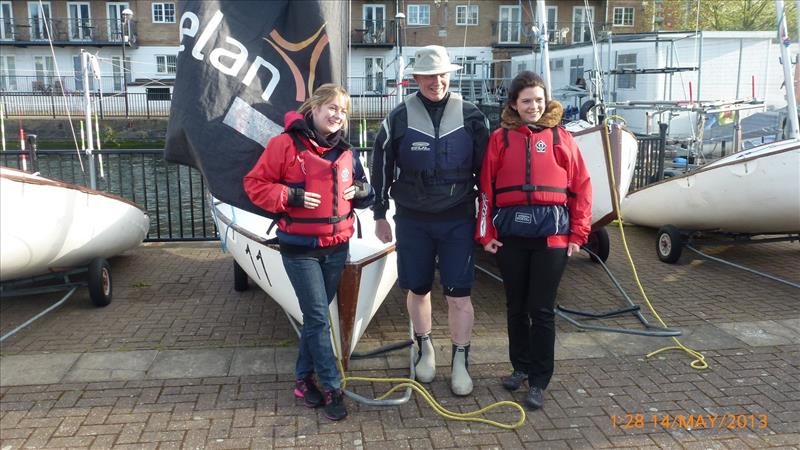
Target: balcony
<point>521,35</point>
<point>373,33</point>
<point>65,31</point>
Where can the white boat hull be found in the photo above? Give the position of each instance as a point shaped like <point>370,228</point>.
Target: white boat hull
<point>595,152</point>
<point>48,225</point>
<point>370,271</point>
<point>756,191</point>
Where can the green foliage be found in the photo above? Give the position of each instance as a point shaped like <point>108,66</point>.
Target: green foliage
<point>719,15</point>
<point>109,137</point>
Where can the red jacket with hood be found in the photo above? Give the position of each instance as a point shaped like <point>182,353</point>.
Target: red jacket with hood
<point>280,168</point>
<point>567,156</point>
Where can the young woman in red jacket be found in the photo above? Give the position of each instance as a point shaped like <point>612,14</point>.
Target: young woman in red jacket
<point>535,212</point>
<point>311,177</point>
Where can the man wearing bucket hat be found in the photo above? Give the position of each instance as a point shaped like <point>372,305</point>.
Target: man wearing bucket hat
<point>437,141</point>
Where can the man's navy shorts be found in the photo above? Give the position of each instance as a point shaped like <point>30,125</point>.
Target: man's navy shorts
<point>419,242</point>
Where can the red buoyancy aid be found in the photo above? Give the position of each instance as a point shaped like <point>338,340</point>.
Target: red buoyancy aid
<point>329,179</point>
<point>529,172</point>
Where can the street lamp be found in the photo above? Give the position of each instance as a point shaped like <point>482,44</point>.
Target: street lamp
<point>398,19</point>
<point>126,16</point>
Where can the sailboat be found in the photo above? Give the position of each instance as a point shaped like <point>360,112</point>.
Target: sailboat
<point>48,225</point>
<point>753,192</point>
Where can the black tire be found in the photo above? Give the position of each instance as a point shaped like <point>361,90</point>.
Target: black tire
<point>599,244</point>
<point>99,278</point>
<point>585,108</point>
<point>241,282</point>
<point>669,244</point>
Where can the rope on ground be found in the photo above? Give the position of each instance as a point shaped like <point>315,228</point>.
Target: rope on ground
<point>699,361</point>
<point>427,396</point>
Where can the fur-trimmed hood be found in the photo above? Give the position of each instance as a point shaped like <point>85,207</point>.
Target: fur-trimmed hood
<point>552,117</point>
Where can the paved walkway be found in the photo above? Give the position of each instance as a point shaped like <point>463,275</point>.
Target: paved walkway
<point>180,360</point>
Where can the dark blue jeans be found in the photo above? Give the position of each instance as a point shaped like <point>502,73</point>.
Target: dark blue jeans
<point>315,280</point>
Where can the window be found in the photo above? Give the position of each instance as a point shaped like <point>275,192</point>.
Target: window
<point>419,14</point>
<point>80,21</point>
<point>582,17</point>
<point>623,17</point>
<point>164,12</point>
<point>166,64</point>
<point>115,20</point>
<point>116,71</point>
<point>575,70</point>
<point>468,62</point>
<point>467,15</point>
<point>78,74</point>
<point>627,61</point>
<point>373,74</point>
<point>552,25</point>
<point>374,24</point>
<point>37,15</point>
<point>521,67</point>
<point>6,21</point>
<point>8,73</point>
<point>557,64</point>
<point>43,71</point>
<point>510,25</point>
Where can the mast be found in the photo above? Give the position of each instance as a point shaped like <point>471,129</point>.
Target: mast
<point>541,20</point>
<point>88,109</point>
<point>784,42</point>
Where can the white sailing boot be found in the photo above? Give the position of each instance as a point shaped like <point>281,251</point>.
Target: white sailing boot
<point>460,381</point>
<point>425,367</point>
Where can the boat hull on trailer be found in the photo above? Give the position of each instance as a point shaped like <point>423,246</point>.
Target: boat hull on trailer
<point>594,148</point>
<point>48,225</point>
<point>751,192</point>
<point>369,274</point>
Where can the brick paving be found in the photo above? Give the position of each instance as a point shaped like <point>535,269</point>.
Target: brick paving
<point>174,299</point>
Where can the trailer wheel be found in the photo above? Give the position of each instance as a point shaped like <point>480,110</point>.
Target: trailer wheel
<point>669,244</point>
<point>99,280</point>
<point>586,108</point>
<point>241,282</point>
<point>599,244</point>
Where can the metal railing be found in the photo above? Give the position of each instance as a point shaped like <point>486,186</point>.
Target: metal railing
<point>175,196</point>
<point>511,33</point>
<point>373,32</point>
<point>65,31</point>
<point>44,104</point>
<point>47,83</point>
<point>172,194</point>
<point>650,159</point>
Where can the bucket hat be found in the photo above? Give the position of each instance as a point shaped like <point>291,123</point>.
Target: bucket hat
<point>432,60</point>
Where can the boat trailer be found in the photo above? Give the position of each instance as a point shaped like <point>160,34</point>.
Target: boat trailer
<point>670,242</point>
<point>98,280</point>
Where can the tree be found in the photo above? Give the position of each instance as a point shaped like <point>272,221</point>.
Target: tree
<point>717,15</point>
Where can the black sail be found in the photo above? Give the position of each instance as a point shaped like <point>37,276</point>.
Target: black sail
<point>241,66</point>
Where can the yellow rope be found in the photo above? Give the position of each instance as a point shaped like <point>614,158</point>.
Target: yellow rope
<point>427,396</point>
<point>700,360</point>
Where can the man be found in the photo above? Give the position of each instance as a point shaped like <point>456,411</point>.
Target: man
<point>437,141</point>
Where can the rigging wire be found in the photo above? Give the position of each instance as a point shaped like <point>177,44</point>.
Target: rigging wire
<point>464,47</point>
<point>63,94</point>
